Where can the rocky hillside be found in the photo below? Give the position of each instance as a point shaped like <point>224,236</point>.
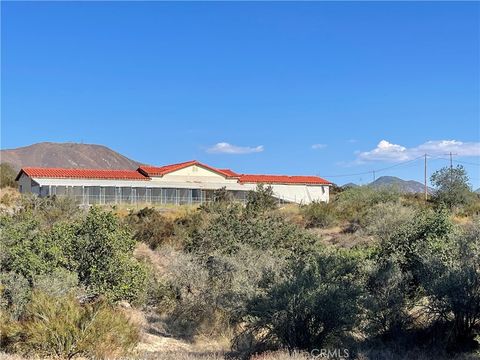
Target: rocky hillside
<point>66,155</point>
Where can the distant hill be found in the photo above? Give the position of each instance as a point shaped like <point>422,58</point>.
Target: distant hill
<point>477,191</point>
<point>66,155</point>
<point>404,186</point>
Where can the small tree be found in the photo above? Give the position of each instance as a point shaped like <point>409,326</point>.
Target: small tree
<point>7,175</point>
<point>452,187</point>
<point>103,250</point>
<point>261,199</point>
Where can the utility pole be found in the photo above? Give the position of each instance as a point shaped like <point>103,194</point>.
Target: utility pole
<point>425,178</point>
<point>373,172</point>
<point>451,166</point>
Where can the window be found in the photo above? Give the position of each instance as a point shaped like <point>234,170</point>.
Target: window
<point>196,196</point>
<point>184,196</point>
<point>170,196</point>
<point>157,196</point>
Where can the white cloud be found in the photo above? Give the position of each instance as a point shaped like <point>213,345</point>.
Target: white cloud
<point>319,146</point>
<point>386,151</point>
<point>226,148</point>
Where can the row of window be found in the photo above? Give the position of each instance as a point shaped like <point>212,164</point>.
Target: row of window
<point>115,195</point>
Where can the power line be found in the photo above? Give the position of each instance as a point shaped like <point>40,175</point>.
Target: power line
<point>375,170</point>
<point>456,161</point>
<point>466,162</point>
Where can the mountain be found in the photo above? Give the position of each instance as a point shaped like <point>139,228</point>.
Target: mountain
<point>350,185</point>
<point>404,186</point>
<point>477,191</point>
<point>66,155</point>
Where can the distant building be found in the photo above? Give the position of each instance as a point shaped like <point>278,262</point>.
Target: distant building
<point>186,183</point>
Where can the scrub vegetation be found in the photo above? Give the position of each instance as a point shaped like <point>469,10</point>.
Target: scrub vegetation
<point>374,273</point>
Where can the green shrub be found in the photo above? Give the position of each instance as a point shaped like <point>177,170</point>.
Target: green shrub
<point>151,227</point>
<point>29,250</point>
<point>353,203</point>
<point>452,284</point>
<point>98,248</point>
<point>428,231</point>
<point>57,283</point>
<point>319,214</point>
<point>15,293</point>
<point>386,308</point>
<point>62,327</point>
<point>49,211</point>
<point>261,199</point>
<point>316,304</point>
<point>7,175</point>
<point>104,253</point>
<point>227,230</point>
<point>384,219</point>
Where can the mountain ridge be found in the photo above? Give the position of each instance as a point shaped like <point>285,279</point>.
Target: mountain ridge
<point>404,186</point>
<point>66,155</point>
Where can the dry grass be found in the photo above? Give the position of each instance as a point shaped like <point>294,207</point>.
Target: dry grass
<point>337,237</point>
<point>171,211</point>
<point>159,259</point>
<point>8,197</point>
<point>292,213</point>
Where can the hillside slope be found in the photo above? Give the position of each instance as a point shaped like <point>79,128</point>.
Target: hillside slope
<point>404,186</point>
<point>66,155</point>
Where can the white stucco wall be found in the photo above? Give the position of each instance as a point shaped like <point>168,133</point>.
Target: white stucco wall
<point>300,194</point>
<point>195,174</point>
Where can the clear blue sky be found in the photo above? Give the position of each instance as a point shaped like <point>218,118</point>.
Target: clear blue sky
<point>295,88</point>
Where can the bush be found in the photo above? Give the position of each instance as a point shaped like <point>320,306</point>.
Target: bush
<point>59,282</point>
<point>29,250</point>
<point>353,203</point>
<point>383,219</point>
<point>50,210</point>
<point>386,301</point>
<point>319,214</point>
<point>7,175</point>
<point>209,294</point>
<point>103,251</point>
<point>452,284</point>
<point>97,248</point>
<point>428,231</point>
<point>15,293</point>
<point>316,304</point>
<point>261,199</point>
<point>227,230</point>
<point>151,227</point>
<point>62,327</point>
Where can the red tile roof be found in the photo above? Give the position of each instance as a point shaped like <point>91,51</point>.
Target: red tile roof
<point>163,170</point>
<point>144,173</point>
<point>82,173</point>
<point>283,179</point>
<point>229,172</point>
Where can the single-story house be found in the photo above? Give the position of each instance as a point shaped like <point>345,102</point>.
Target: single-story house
<point>190,182</point>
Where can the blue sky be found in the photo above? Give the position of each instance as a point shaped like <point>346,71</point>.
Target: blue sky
<point>295,88</point>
